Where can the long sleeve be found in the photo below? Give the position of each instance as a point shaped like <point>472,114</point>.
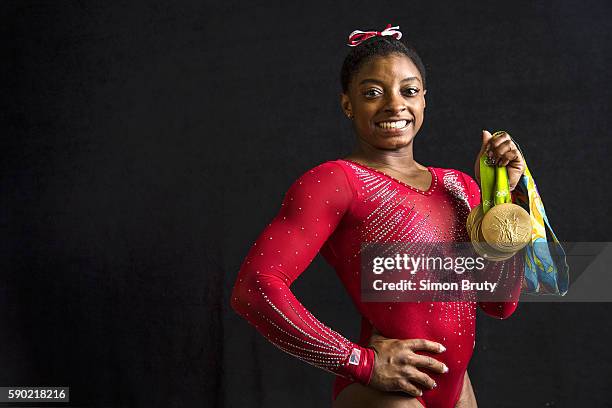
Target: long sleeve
<point>312,208</point>
<point>509,272</point>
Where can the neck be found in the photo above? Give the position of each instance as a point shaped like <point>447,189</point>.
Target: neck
<point>400,159</point>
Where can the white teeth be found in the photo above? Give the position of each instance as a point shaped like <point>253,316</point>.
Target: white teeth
<point>393,125</point>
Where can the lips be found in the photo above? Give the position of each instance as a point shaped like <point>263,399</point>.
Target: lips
<point>394,124</point>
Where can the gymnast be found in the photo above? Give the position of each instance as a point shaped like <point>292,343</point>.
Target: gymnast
<point>409,354</point>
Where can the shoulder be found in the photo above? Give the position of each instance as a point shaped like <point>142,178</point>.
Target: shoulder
<point>326,178</point>
<point>325,172</point>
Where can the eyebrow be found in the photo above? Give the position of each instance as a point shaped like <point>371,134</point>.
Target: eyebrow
<point>380,82</point>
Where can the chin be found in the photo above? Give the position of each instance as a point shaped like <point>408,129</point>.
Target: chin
<point>394,143</point>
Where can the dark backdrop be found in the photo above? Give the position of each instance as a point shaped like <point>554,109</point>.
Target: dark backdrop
<point>146,144</point>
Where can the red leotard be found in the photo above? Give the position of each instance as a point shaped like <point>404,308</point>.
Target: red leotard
<point>333,208</point>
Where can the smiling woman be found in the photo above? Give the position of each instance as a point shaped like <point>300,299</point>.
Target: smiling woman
<point>408,354</point>
<point>383,70</point>
<point>386,101</point>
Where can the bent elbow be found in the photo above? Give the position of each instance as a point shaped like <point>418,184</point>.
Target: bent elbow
<point>237,300</point>
<point>238,297</point>
<point>500,311</point>
<point>246,296</point>
<point>506,313</point>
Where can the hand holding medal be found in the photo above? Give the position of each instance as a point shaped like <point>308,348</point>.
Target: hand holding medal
<point>502,151</point>
<point>497,227</point>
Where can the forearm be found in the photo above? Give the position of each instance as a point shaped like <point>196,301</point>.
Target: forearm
<point>267,303</point>
<point>312,208</point>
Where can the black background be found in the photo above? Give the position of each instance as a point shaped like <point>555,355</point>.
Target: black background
<point>145,145</point>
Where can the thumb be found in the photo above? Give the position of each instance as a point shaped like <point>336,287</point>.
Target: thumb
<point>486,137</point>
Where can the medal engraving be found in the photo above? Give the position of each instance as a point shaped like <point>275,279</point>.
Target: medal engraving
<point>507,227</point>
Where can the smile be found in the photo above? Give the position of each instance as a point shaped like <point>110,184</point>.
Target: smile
<point>393,125</point>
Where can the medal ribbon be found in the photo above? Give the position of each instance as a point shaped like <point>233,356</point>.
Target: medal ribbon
<point>494,187</point>
<point>546,269</point>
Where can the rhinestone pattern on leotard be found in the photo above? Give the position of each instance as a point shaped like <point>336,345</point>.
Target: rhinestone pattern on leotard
<point>335,208</point>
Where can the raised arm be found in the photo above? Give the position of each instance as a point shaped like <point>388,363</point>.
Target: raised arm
<point>509,272</point>
<point>312,208</point>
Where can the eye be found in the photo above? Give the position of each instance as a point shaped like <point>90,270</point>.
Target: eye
<point>411,91</point>
<point>371,93</point>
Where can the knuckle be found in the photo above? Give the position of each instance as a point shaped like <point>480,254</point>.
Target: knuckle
<point>406,386</point>
<point>425,380</point>
<point>419,378</point>
<point>409,360</point>
<point>409,373</point>
<point>399,385</point>
<point>415,391</point>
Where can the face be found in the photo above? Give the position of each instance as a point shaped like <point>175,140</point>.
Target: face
<point>387,101</point>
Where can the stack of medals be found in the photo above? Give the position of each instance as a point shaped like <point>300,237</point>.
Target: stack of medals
<point>498,228</point>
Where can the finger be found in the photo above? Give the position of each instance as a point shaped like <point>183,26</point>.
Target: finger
<point>505,151</point>
<point>498,141</point>
<point>486,138</point>
<point>420,378</point>
<point>503,148</point>
<point>502,134</point>
<point>425,345</point>
<point>509,156</point>
<point>513,178</point>
<point>430,363</point>
<point>498,145</point>
<point>506,161</point>
<point>409,388</point>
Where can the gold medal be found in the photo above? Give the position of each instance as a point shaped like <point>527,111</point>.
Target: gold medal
<point>506,227</point>
<point>483,248</point>
<point>490,253</point>
<point>475,213</point>
<point>497,228</point>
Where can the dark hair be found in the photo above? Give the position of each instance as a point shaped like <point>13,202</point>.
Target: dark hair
<point>377,46</point>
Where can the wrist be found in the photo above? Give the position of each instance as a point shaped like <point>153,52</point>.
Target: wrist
<point>359,365</point>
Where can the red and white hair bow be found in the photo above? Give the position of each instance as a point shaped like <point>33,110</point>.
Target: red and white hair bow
<point>357,36</point>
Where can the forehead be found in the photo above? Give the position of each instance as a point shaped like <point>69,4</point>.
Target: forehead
<point>389,68</point>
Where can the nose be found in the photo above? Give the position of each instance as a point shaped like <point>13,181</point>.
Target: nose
<point>395,103</point>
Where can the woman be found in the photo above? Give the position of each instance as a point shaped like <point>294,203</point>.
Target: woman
<point>409,354</point>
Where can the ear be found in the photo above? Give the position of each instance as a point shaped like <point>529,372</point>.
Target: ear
<point>424,101</point>
<point>346,104</point>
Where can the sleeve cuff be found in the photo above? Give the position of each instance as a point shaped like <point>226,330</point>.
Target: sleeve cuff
<point>360,364</point>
